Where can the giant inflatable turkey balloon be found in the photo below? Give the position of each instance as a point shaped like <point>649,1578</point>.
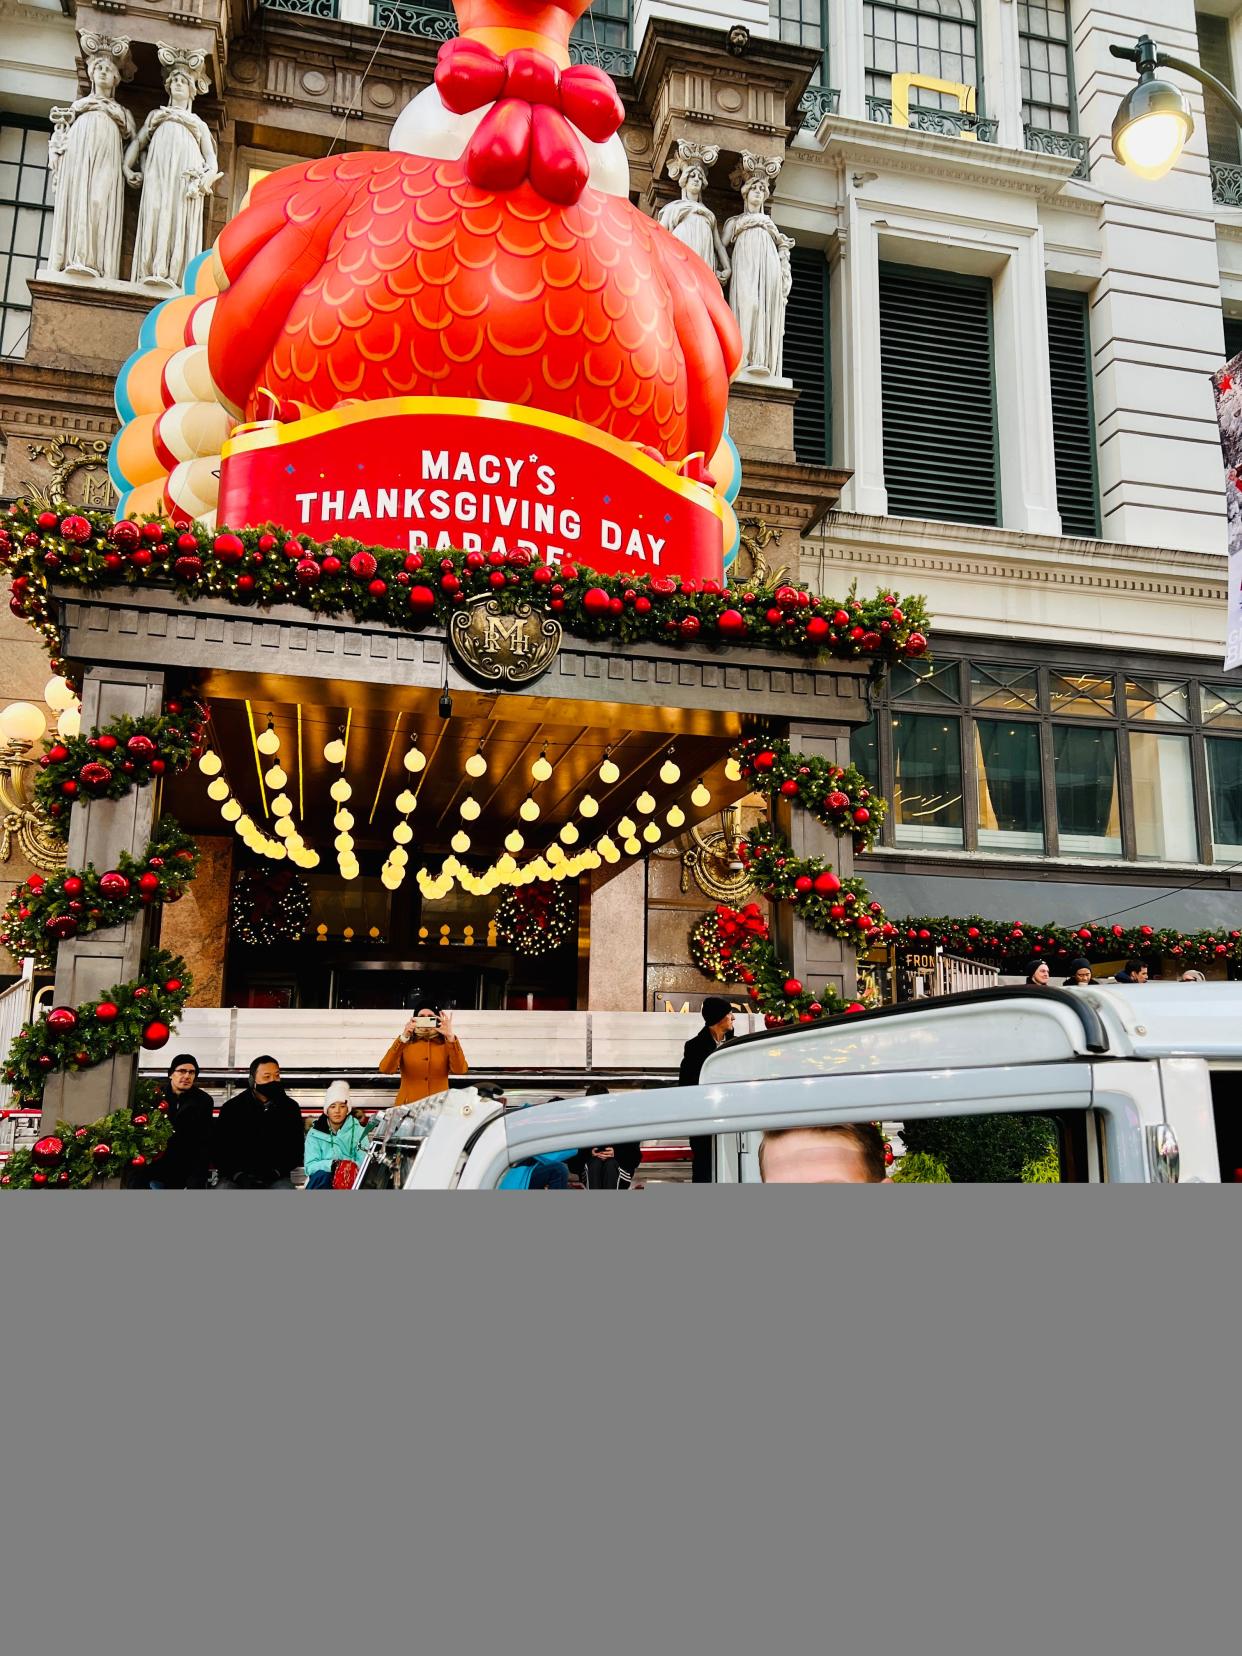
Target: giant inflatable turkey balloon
<point>473,340</point>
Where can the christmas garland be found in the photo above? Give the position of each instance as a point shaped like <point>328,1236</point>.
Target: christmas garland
<point>127,1017</point>
<point>824,902</point>
<point>838,796</point>
<point>270,908</point>
<point>128,753</point>
<point>732,945</point>
<point>45,911</point>
<point>1011,944</point>
<point>78,1157</point>
<point>412,590</point>
<point>536,919</point>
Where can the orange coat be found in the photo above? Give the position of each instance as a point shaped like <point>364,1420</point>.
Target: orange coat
<point>424,1065</point>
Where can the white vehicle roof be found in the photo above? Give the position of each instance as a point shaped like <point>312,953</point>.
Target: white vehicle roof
<point>1018,1025</point>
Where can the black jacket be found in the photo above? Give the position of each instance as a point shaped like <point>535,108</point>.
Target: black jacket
<point>261,1141</point>
<point>191,1149</point>
<point>696,1052</point>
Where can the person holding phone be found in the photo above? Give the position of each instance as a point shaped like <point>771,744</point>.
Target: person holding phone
<point>424,1055</point>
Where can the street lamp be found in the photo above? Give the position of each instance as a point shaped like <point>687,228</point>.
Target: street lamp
<point>1153,120</point>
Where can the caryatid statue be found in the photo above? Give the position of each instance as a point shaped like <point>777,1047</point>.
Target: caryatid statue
<point>688,219</point>
<point>762,274</point>
<point>173,161</point>
<point>87,151</point>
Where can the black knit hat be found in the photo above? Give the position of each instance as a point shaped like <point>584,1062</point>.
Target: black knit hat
<point>715,1007</point>
<point>183,1058</point>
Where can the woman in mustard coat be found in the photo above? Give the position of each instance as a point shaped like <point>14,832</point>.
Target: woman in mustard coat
<point>424,1058</point>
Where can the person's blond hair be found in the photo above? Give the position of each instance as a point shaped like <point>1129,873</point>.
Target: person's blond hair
<point>865,1136</point>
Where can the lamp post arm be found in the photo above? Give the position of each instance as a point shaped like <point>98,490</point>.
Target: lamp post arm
<point>1148,58</point>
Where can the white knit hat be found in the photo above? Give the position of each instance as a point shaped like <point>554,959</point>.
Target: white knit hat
<point>337,1093</point>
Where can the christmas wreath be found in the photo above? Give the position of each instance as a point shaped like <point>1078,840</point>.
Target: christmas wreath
<point>269,908</point>
<point>44,911</point>
<point>127,1017</point>
<point>412,590</point>
<point>735,945</point>
<point>537,918</point>
<point>128,753</point>
<point>839,796</point>
<point>78,1157</point>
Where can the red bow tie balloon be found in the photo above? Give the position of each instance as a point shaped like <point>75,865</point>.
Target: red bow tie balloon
<point>529,131</point>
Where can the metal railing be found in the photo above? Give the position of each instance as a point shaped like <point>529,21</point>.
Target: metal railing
<point>944,123</point>
<point>439,23</point>
<point>1072,145</point>
<point>815,103</point>
<point>1227,184</point>
<point>16,1003</point>
<point>304,8</point>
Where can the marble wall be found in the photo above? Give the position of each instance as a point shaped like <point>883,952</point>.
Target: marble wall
<point>197,928</point>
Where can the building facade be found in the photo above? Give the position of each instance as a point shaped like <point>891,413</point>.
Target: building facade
<point>995,392</point>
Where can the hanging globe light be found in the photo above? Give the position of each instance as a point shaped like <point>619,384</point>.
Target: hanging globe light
<point>670,772</point>
<point>282,806</point>
<point>59,694</point>
<point>460,840</point>
<point>341,790</point>
<point>675,816</point>
<point>733,771</point>
<point>69,724</point>
<point>528,810</point>
<point>334,752</point>
<point>398,856</point>
<point>210,763</point>
<point>218,789</point>
<point>414,760</point>
<point>645,803</point>
<point>283,828</point>
<point>344,843</point>
<point>627,827</point>
<point>268,741</point>
<point>405,802</point>
<point>588,807</point>
<point>541,770</point>
<point>476,765</point>
<point>569,834</point>
<point>275,778</point>
<point>632,847</point>
<point>403,833</point>
<point>651,833</point>
<point>608,772</point>
<point>470,808</point>
<point>514,841</point>
<point>344,820</point>
<point>230,810</point>
<point>700,796</point>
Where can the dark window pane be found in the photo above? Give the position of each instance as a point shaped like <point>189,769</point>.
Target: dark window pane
<point>606,24</point>
<point>806,354</point>
<point>864,750</point>
<point>1084,695</point>
<point>1225,795</point>
<point>930,685</point>
<point>1164,798</point>
<point>1010,788</point>
<point>1073,417</point>
<point>1088,809</point>
<point>1008,689</point>
<point>927,791</point>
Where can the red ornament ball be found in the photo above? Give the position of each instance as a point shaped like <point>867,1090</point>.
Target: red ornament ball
<point>125,534</point>
<point>817,629</point>
<point>789,788</point>
<point>245,583</point>
<point>75,528</point>
<point>731,623</point>
<point>148,882</point>
<point>228,548</point>
<point>101,1152</point>
<point>155,1034</point>
<point>106,1012</point>
<point>690,625</point>
<point>61,1019</point>
<point>307,571</point>
<point>188,567</point>
<point>173,986</point>
<point>45,520</point>
<point>595,601</point>
<point>377,588</point>
<point>916,644</point>
<point>187,542</point>
<point>47,1151</point>
<point>827,883</point>
<point>422,600</point>
<point>114,884</point>
<point>787,597</point>
<point>765,760</point>
<point>362,566</point>
<point>792,986</point>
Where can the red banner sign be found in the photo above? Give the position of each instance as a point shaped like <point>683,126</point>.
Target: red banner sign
<point>422,472</point>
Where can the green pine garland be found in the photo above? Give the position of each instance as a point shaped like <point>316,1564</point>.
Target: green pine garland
<point>128,753</point>
<point>1011,944</point>
<point>86,1155</point>
<point>839,796</point>
<point>46,910</point>
<point>827,904</point>
<point>732,945</point>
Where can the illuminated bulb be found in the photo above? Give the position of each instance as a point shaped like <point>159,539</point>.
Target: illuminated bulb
<point>460,840</point>
<point>245,823</point>
<point>390,879</point>
<point>528,810</point>
<point>669,772</point>
<point>700,796</point>
<point>218,789</point>
<point>312,859</point>
<point>211,764</point>
<point>403,833</point>
<point>675,817</point>
<point>69,724</point>
<point>591,859</point>
<point>609,773</point>
<point>626,827</point>
<point>569,834</point>
<point>349,871</point>
<point>589,807</point>
<point>651,833</point>
<point>341,790</point>
<point>344,842</point>
<point>58,694</point>
<point>414,760</point>
<point>733,771</point>
<point>609,852</point>
<point>275,851</point>
<point>282,806</point>
<point>470,808</point>
<point>283,828</point>
<point>275,778</point>
<point>344,820</point>
<point>476,765</point>
<point>268,742</point>
<point>632,847</point>
<point>514,841</point>
<point>405,802</point>
<point>541,770</point>
<point>334,753</point>
<point>644,803</point>
<point>398,856</point>
<point>554,855</point>
<point>230,810</point>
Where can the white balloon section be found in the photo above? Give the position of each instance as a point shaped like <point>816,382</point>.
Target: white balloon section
<point>558,861</point>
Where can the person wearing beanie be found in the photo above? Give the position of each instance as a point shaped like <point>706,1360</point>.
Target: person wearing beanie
<point>185,1163</point>
<point>335,1142</point>
<point>1080,974</point>
<point>717,1029</point>
<point>1037,973</point>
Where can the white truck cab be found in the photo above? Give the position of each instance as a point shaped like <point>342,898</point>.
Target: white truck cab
<point>1140,1080</point>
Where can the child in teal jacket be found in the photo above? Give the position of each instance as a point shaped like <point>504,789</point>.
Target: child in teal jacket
<point>334,1136</point>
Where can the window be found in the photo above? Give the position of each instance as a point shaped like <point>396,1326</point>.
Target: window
<point>939,396</point>
<point>803,23</point>
<point>25,224</point>
<point>806,355</point>
<point>1215,56</point>
<point>1073,415</point>
<point>1047,65</point>
<point>606,24</point>
<point>938,38</point>
<point>1233,337</point>
<point>1014,758</point>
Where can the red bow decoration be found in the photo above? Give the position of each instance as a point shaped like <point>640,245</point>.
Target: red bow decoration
<point>529,133</point>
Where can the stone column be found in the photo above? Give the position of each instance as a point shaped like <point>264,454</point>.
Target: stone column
<point>858,411</point>
<point>99,831</point>
<point>1000,70</point>
<point>846,57</point>
<point>815,959</point>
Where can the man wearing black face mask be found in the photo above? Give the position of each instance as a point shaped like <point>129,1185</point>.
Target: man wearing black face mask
<point>259,1134</point>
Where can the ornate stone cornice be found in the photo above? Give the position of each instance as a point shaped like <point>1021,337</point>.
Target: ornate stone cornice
<point>848,142</point>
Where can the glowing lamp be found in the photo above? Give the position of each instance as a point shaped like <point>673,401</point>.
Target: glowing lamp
<point>22,722</point>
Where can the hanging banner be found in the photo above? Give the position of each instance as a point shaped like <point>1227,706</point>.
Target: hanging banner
<point>1227,383</point>
<point>423,473</point>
